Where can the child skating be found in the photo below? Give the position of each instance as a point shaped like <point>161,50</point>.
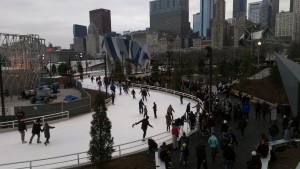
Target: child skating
<point>46,130</point>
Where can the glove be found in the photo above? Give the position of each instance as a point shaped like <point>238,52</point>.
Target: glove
<point>133,125</point>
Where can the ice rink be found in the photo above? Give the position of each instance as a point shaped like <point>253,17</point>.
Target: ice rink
<point>72,136</point>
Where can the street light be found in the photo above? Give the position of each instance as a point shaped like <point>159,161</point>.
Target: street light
<point>169,53</point>
<point>105,74</point>
<point>209,55</point>
<point>259,43</point>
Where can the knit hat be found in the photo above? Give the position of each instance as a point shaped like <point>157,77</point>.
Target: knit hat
<point>253,153</point>
<point>224,121</point>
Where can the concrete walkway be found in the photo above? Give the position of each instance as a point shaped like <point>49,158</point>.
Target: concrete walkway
<point>243,151</point>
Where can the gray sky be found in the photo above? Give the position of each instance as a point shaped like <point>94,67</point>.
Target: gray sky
<point>53,19</point>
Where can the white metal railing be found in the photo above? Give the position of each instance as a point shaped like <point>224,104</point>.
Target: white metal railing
<point>14,123</point>
<point>82,157</point>
<point>169,91</point>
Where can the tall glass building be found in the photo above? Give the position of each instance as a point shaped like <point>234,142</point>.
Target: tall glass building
<point>207,13</point>
<point>170,16</point>
<point>260,12</point>
<point>196,22</point>
<point>239,8</point>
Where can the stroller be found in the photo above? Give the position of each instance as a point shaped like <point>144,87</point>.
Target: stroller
<point>152,146</point>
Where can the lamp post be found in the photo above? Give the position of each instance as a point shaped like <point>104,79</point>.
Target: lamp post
<point>105,73</point>
<point>209,55</point>
<point>169,67</point>
<point>259,43</point>
<point>122,54</point>
<point>1,89</point>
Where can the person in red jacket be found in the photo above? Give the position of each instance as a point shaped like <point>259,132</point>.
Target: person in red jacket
<point>175,134</point>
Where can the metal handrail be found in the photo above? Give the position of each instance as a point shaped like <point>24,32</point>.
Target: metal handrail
<point>13,123</point>
<point>117,148</point>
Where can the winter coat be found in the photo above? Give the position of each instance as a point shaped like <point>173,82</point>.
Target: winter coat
<point>188,108</point>
<point>175,131</point>
<point>22,126</point>
<point>46,130</point>
<point>273,130</point>
<point>200,152</point>
<point>168,120</point>
<point>224,128</point>
<point>254,163</point>
<point>229,154</point>
<point>213,142</point>
<point>263,150</point>
<point>246,107</point>
<point>36,128</point>
<point>145,124</point>
<point>141,103</point>
<point>170,110</point>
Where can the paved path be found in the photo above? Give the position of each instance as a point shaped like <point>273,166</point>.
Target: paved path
<point>243,151</point>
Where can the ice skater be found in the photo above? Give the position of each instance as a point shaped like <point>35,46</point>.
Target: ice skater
<point>145,124</point>
<point>36,129</point>
<point>154,109</point>
<point>141,104</point>
<point>133,93</point>
<point>22,128</point>
<point>46,130</point>
<point>170,111</point>
<point>145,111</point>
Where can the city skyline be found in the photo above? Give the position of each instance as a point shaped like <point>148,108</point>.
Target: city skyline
<point>53,20</point>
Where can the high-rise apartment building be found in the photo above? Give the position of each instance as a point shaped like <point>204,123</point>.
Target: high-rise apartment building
<point>207,13</point>
<point>217,36</point>
<point>102,20</point>
<point>287,24</point>
<point>296,6</point>
<point>196,22</point>
<point>171,16</point>
<point>239,8</point>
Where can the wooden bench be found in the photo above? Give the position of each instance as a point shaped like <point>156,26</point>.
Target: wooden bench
<point>159,164</point>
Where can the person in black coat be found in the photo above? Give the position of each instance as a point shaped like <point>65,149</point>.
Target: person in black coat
<point>36,129</point>
<point>201,155</point>
<point>229,156</point>
<point>254,162</point>
<point>46,130</point>
<point>145,124</point>
<point>22,128</point>
<point>154,109</point>
<point>188,108</point>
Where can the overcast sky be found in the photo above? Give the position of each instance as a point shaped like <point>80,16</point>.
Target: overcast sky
<point>53,19</point>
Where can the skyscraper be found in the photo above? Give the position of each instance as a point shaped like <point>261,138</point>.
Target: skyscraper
<point>102,20</point>
<point>170,16</point>
<point>260,12</point>
<point>207,12</point>
<point>239,8</point>
<point>291,5</point>
<point>275,9</point>
<point>217,35</point>
<point>296,6</point>
<point>196,22</point>
<point>79,31</point>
